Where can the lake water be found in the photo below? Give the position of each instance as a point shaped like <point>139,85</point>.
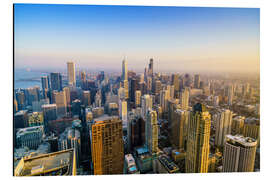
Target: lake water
<point>26,79</point>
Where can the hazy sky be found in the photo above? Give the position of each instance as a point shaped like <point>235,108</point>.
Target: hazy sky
<point>98,37</point>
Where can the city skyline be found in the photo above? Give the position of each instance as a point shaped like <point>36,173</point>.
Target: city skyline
<point>178,38</point>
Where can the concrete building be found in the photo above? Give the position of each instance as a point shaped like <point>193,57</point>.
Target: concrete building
<point>184,99</point>
<point>223,120</point>
<point>30,137</point>
<point>146,103</point>
<point>107,145</point>
<point>239,154</point>
<point>151,132</point>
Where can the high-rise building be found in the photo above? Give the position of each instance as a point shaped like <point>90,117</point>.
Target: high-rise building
<point>146,103</point>
<point>135,131</point>
<point>86,98</point>
<point>50,114</point>
<point>83,76</point>
<point>175,82</point>
<point>67,93</point>
<point>237,125</point>
<point>151,132</point>
<point>223,120</point>
<point>179,128</point>
<point>32,95</point>
<point>123,112</point>
<point>197,81</point>
<point>230,94</point>
<point>61,103</point>
<point>56,81</point>
<point>157,87</point>
<point>107,146</point>
<point>164,97</point>
<point>251,128</point>
<point>134,86</point>
<point>71,74</point>
<point>151,68</point>
<point>21,119</point>
<point>45,85</point>
<point>239,154</point>
<point>37,105</point>
<point>198,140</point>
<point>138,95</point>
<point>20,96</point>
<point>184,99</point>
<point>125,83</point>
<point>124,70</point>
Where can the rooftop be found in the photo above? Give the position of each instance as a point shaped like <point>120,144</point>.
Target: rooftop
<point>241,140</point>
<point>29,130</point>
<point>46,163</point>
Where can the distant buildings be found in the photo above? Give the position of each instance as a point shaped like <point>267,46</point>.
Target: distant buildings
<point>56,81</point>
<point>239,154</point>
<point>71,74</point>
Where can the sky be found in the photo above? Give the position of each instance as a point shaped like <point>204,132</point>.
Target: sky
<point>190,39</point>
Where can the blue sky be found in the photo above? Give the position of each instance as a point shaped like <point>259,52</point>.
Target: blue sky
<point>98,37</point>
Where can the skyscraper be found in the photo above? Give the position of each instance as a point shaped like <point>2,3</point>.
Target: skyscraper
<point>197,81</point>
<point>56,81</point>
<point>151,68</point>
<point>223,120</point>
<point>86,98</point>
<point>239,154</point>
<point>71,74</point>
<point>151,132</point>
<point>138,98</point>
<point>198,140</point>
<point>164,97</point>
<point>124,70</point>
<point>184,99</point>
<point>123,112</point>
<point>107,146</point>
<point>176,83</point>
<point>50,114</point>
<point>146,103</point>
<point>61,103</point>
<point>45,85</point>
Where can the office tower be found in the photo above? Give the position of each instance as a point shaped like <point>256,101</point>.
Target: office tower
<point>124,70</point>
<point>164,97</point>
<point>136,131</point>
<point>198,140</point>
<point>146,103</point>
<point>98,99</point>
<point>239,154</point>
<point>67,94</point>
<point>176,83</point>
<point>56,81</point>
<point>138,95</point>
<point>32,95</point>
<point>48,164</point>
<point>197,81</point>
<point>251,128</point>
<point>121,93</point>
<point>216,101</point>
<point>61,103</point>
<point>238,125</point>
<point>21,119</point>
<point>151,68</point>
<point>83,76</point>
<point>223,120</point>
<point>173,104</point>
<point>130,165</point>
<point>35,119</point>
<point>157,87</point>
<point>45,85</point>
<point>151,132</point>
<point>76,107</point>
<point>171,91</point>
<point>20,96</point>
<point>71,74</point>
<point>37,105</point>
<point>123,112</point>
<point>125,83</point>
<point>30,137</point>
<point>134,86</point>
<point>184,99</point>
<point>149,85</point>
<point>86,100</point>
<point>179,128</point>
<point>230,94</point>
<point>50,114</point>
<point>107,146</point>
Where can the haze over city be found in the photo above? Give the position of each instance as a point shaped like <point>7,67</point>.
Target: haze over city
<point>178,38</point>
